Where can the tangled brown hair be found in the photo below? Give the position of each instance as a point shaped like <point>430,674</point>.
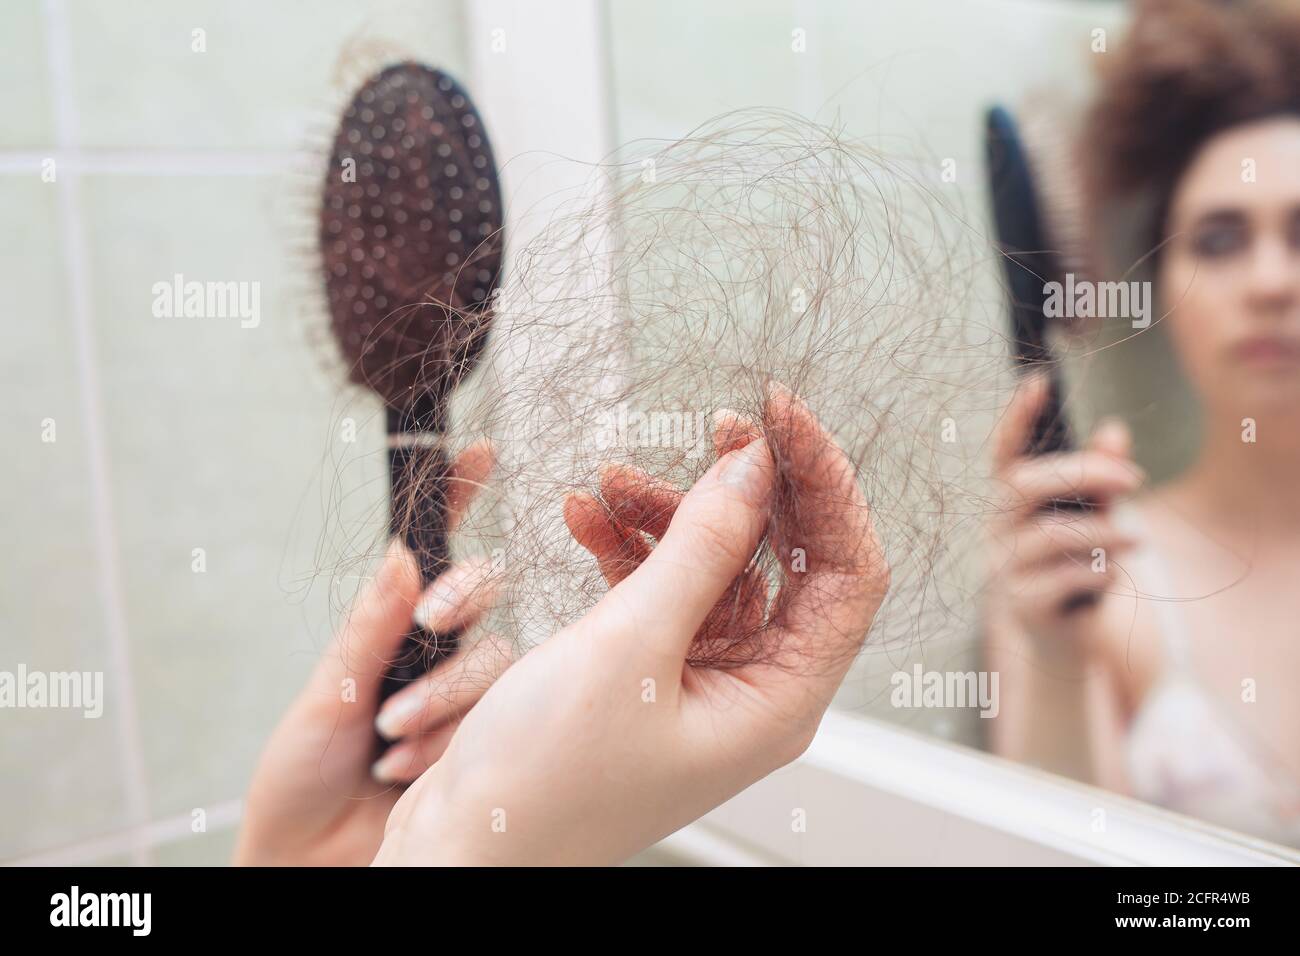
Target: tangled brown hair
<point>761,247</point>
<point>1187,70</point>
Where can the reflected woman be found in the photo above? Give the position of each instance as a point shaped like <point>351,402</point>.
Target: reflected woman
<point>1179,686</point>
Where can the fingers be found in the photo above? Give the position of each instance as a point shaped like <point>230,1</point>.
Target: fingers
<point>458,597</point>
<point>711,539</point>
<point>1041,597</point>
<point>841,573</point>
<point>468,473</point>
<point>1112,437</point>
<point>618,550</point>
<point>381,615</point>
<point>1047,557</point>
<point>836,572</point>
<point>1103,470</point>
<point>375,625</point>
<point>1011,437</point>
<point>638,500</point>
<point>404,762</point>
<point>1094,475</point>
<point>446,692</point>
<point>1047,538</point>
<point>731,430</point>
<point>645,503</point>
<point>381,618</point>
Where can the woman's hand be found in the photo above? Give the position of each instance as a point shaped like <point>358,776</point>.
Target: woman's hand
<point>315,798</point>
<point>603,740</point>
<point>1042,557</point>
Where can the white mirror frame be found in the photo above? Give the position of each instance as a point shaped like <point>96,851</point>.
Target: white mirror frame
<point>867,793</point>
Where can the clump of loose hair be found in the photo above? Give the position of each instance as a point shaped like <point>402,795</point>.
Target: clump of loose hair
<point>761,247</point>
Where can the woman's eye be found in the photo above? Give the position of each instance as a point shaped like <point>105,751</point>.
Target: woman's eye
<point>1217,241</point>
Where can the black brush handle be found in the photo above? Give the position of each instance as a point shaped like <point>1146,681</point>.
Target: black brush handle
<point>1051,435</point>
<point>419,472</point>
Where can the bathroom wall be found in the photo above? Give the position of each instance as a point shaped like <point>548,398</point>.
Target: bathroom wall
<point>179,512</point>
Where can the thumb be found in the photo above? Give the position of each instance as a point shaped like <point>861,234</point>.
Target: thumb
<point>709,543</point>
<point>374,627</point>
<point>1013,432</point>
<point>1112,437</point>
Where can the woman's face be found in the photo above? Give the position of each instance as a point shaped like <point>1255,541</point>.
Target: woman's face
<point>1230,272</point>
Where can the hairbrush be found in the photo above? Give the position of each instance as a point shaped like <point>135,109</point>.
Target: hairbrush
<point>1031,261</point>
<point>410,233</point>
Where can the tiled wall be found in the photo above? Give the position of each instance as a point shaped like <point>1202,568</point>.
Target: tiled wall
<point>170,434</point>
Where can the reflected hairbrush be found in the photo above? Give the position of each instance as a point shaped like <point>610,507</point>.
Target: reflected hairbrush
<point>410,236</point>
<point>1031,261</point>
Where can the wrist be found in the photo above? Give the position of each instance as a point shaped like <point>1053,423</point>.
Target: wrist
<point>404,846</point>
<point>425,833</point>
<point>1060,649</point>
<point>1062,652</point>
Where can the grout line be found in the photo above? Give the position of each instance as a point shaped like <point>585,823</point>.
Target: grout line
<point>812,93</point>
<point>175,829</point>
<point>160,162</point>
<point>607,109</point>
<point>127,725</point>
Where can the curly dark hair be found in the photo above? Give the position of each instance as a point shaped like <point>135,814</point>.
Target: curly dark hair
<point>1187,70</point>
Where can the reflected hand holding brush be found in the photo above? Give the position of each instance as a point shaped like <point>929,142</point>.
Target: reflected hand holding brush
<point>1042,556</point>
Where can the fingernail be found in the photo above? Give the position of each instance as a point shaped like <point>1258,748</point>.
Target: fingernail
<point>776,390</point>
<point>394,715</point>
<point>731,430</point>
<point>399,560</point>
<point>1113,430</point>
<point>451,596</point>
<point>386,768</point>
<point>725,416</point>
<point>435,606</point>
<point>744,469</point>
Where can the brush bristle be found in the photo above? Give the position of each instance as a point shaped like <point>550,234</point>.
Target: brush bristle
<point>410,235</point>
